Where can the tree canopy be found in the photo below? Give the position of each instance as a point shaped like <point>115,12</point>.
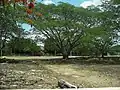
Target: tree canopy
<point>65,27</point>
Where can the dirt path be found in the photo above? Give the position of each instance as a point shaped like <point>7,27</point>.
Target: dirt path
<point>90,76</point>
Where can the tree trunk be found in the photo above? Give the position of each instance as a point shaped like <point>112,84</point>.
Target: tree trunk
<point>71,53</point>
<point>65,53</point>
<point>102,55</point>
<point>65,56</point>
<point>0,52</point>
<point>1,48</point>
<point>55,52</point>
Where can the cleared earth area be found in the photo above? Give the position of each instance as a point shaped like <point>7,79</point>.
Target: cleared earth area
<point>46,74</point>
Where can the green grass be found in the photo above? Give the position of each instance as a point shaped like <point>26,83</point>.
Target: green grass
<point>32,73</point>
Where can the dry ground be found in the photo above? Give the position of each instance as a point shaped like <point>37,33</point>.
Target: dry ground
<point>46,73</point>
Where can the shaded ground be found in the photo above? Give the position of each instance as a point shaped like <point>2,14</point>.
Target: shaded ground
<point>46,73</point>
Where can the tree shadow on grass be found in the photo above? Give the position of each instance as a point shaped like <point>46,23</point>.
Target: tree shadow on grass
<point>13,61</point>
<point>80,61</point>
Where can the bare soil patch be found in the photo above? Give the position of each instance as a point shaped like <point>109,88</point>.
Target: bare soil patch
<point>39,74</point>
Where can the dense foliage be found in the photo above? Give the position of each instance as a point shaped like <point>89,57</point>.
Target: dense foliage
<point>23,46</point>
<point>66,29</point>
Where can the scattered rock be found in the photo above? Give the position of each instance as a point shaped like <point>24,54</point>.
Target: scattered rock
<point>65,84</point>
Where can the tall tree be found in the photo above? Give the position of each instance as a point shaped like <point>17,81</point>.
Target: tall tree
<point>63,26</point>
<point>8,26</point>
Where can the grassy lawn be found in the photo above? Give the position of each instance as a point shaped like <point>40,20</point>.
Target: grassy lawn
<point>46,73</point>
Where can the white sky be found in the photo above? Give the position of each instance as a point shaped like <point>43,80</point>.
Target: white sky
<point>47,2</point>
<point>85,4</point>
